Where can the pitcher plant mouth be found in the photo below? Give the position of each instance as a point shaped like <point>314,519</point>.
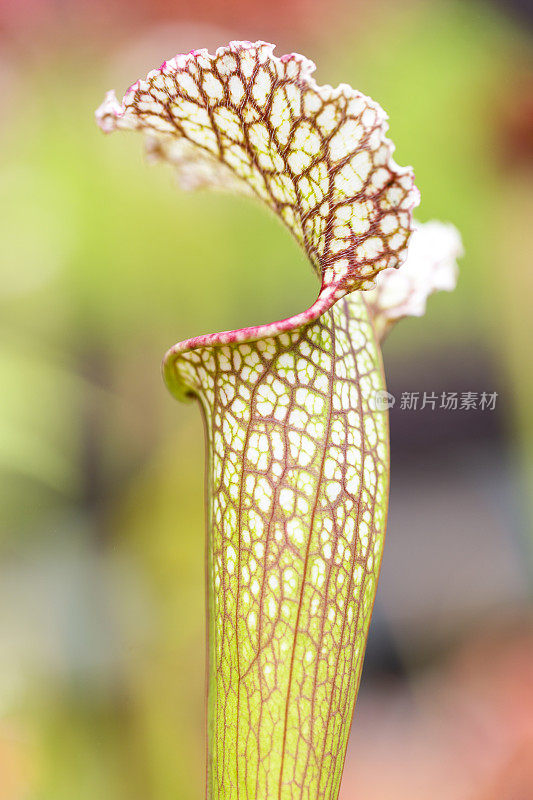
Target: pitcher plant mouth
<point>298,465</point>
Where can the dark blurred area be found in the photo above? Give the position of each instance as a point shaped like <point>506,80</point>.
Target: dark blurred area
<point>104,263</point>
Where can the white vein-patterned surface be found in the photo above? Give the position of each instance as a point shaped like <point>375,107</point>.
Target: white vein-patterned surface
<point>430,266</point>
<point>317,156</point>
<point>298,480</point>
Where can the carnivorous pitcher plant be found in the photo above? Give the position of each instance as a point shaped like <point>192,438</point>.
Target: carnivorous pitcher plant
<point>298,463</point>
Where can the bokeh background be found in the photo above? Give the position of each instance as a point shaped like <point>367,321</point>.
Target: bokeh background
<point>104,263</point>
